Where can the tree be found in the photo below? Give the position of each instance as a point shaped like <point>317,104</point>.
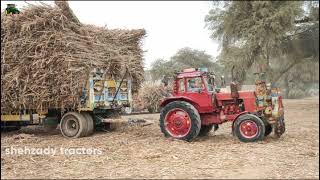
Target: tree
<point>161,67</point>
<point>184,58</point>
<point>261,33</point>
<point>189,58</point>
<point>254,27</point>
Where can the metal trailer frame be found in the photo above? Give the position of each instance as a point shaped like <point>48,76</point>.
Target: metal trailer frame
<point>102,99</point>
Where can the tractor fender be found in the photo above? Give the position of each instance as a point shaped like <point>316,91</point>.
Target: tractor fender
<point>168,100</point>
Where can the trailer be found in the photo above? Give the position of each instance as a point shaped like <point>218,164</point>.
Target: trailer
<point>101,103</point>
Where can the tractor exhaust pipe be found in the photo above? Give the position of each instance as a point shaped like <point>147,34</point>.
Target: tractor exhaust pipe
<point>232,74</point>
<point>234,86</point>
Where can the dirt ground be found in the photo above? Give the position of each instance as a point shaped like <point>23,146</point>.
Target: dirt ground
<point>143,152</point>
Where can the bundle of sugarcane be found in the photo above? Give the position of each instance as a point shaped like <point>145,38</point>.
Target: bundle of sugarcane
<point>47,55</point>
<point>150,94</point>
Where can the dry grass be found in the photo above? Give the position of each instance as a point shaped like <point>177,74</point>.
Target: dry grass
<point>143,152</point>
<point>149,96</point>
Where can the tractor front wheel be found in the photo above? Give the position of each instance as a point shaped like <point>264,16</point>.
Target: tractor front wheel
<point>180,120</point>
<point>249,128</point>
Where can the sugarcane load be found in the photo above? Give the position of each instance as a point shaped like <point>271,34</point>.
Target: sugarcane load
<point>56,69</point>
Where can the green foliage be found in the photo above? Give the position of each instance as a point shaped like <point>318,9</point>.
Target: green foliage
<point>193,57</point>
<point>296,94</point>
<point>184,58</point>
<point>304,43</point>
<point>254,23</point>
<point>279,37</point>
<point>300,79</point>
<point>254,28</point>
<point>161,67</point>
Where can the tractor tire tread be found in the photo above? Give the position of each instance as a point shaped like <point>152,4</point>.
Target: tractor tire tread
<point>260,123</point>
<point>82,124</point>
<point>194,116</point>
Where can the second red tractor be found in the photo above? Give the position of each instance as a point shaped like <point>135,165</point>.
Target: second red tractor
<point>196,106</point>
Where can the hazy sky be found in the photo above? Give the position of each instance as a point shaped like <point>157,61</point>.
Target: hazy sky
<point>170,25</point>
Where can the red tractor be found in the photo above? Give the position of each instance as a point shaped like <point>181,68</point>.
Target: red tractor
<point>196,106</point>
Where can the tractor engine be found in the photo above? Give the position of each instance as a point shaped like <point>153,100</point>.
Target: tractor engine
<point>230,107</point>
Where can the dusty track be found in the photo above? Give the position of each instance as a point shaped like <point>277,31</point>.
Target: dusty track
<point>142,152</point>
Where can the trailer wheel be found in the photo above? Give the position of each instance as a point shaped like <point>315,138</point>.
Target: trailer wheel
<point>90,123</point>
<point>73,125</point>
<point>249,128</point>
<point>205,129</point>
<point>180,120</point>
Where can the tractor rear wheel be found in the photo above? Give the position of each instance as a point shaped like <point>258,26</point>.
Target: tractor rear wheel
<point>180,120</point>
<point>205,129</point>
<point>73,125</point>
<point>249,128</point>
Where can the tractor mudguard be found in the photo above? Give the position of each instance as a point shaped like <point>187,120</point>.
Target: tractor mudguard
<point>244,115</point>
<point>167,100</point>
